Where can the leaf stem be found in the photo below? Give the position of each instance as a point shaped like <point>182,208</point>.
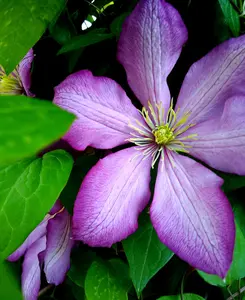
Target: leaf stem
<point>236,294</point>
<point>45,289</point>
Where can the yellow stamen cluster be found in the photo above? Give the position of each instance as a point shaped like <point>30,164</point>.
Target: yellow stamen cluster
<point>163,134</point>
<point>10,84</point>
<point>160,130</point>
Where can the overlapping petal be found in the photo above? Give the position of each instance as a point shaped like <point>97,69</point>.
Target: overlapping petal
<point>220,142</point>
<point>36,234</point>
<point>111,197</point>
<point>102,108</point>
<point>212,80</point>
<point>149,46</point>
<point>56,207</point>
<point>31,273</point>
<point>59,245</point>
<point>24,70</point>
<point>192,215</point>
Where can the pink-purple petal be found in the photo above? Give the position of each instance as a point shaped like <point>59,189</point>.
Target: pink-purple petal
<point>111,197</point>
<point>192,216</point>
<point>102,108</point>
<point>149,46</point>
<point>220,141</point>
<point>59,245</point>
<point>24,70</point>
<point>212,80</point>
<point>36,234</point>
<point>56,207</point>
<point>31,273</point>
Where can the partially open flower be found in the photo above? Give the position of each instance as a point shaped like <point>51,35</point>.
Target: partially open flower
<point>17,82</point>
<point>49,244</point>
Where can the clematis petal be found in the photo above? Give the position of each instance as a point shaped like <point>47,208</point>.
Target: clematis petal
<point>24,70</point>
<point>220,142</point>
<point>36,234</point>
<point>192,215</point>
<point>149,46</point>
<point>102,108</point>
<point>111,197</point>
<point>31,274</point>
<point>212,80</point>
<point>59,245</point>
<point>56,207</point>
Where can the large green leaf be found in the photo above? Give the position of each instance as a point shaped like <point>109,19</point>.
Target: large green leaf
<point>22,24</point>
<point>93,37</point>
<point>101,283</point>
<point>121,270</point>
<point>182,297</point>
<point>9,284</point>
<point>28,189</point>
<point>28,125</point>
<point>145,253</point>
<point>237,269</point>
<point>231,16</point>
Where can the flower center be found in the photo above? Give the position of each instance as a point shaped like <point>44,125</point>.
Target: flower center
<point>159,131</point>
<point>163,134</point>
<point>10,84</point>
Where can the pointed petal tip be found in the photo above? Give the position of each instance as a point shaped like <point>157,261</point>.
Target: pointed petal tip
<point>59,246</point>
<point>31,272</point>
<point>24,70</point>
<point>212,80</point>
<point>221,140</point>
<point>110,212</point>
<point>220,270</point>
<point>149,46</point>
<point>194,218</point>
<point>102,109</point>
<point>35,235</point>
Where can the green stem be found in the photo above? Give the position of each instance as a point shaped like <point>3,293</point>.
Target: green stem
<point>45,290</point>
<point>242,290</point>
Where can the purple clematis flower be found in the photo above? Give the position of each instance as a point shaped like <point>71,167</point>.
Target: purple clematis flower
<point>50,244</point>
<point>19,81</point>
<point>189,211</point>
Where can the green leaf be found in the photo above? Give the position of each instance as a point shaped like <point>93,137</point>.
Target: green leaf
<point>22,24</point>
<point>116,25</point>
<point>239,212</point>
<point>221,29</point>
<point>231,16</point>
<point>237,269</point>
<point>78,292</point>
<point>9,284</point>
<point>145,253</point>
<point>232,182</point>
<point>28,190</point>
<point>183,297</point>
<point>121,271</point>
<point>28,125</point>
<point>93,37</point>
<point>61,32</point>
<point>73,57</point>
<point>236,288</point>
<point>81,260</point>
<point>101,283</point>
